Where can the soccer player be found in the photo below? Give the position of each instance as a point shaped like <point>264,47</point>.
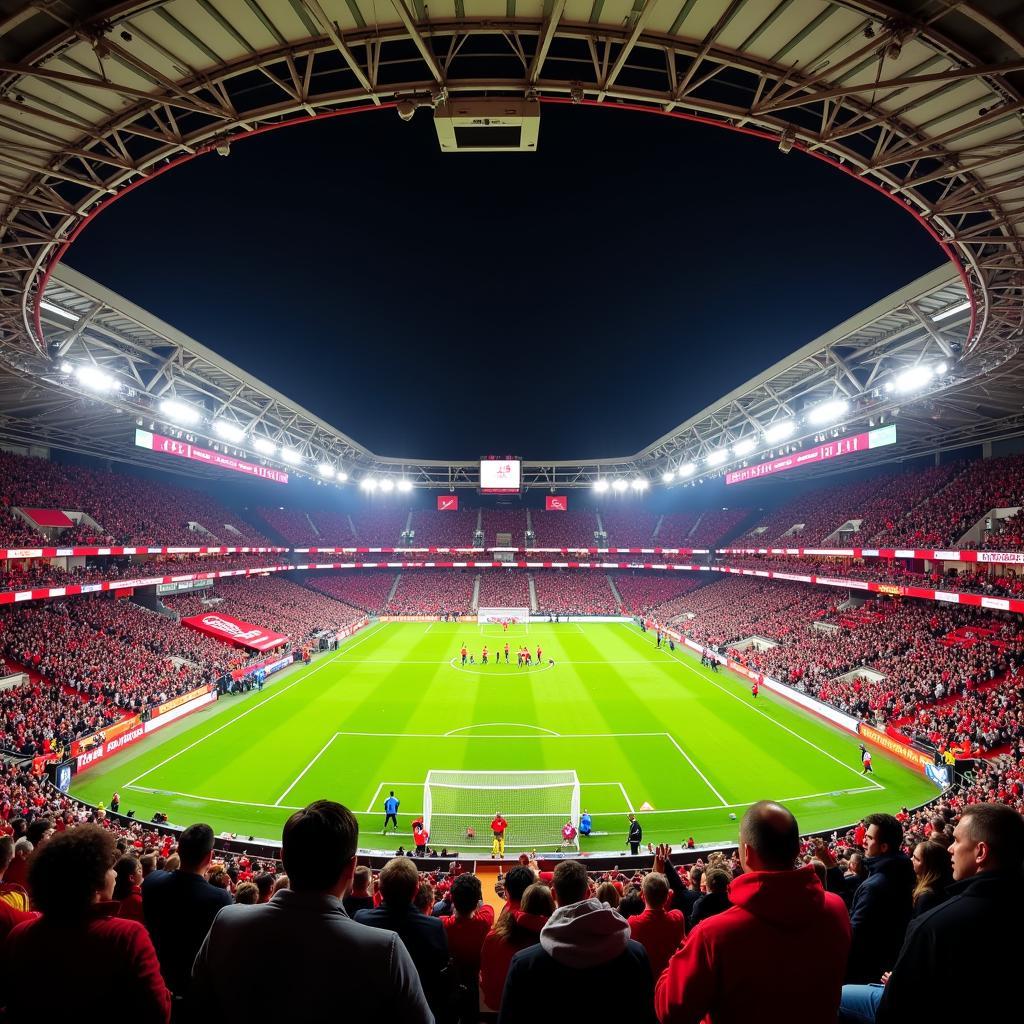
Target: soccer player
<point>538,654</point>
<point>498,826</point>
<point>504,625</point>
<point>464,653</point>
<point>390,811</point>
<point>585,823</point>
<point>484,658</point>
<point>865,759</point>
<point>420,835</point>
<point>754,689</point>
<point>568,834</point>
<point>506,652</point>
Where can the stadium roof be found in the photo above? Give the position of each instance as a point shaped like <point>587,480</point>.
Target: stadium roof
<point>923,102</point>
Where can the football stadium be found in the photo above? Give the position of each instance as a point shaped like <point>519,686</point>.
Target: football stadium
<point>511,510</point>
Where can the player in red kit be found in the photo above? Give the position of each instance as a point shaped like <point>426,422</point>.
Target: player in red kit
<point>464,654</point>
<point>506,652</point>
<point>538,653</point>
<point>754,689</point>
<point>484,658</point>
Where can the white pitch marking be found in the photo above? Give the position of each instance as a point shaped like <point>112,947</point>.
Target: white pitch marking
<point>256,707</point>
<point>210,799</point>
<point>763,714</point>
<point>690,761</point>
<point>487,725</point>
<point>295,781</point>
<point>625,796</point>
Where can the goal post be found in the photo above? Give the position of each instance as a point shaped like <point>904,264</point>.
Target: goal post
<point>536,805</point>
<point>497,616</point>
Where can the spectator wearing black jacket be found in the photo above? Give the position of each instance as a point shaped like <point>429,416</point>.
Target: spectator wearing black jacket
<point>883,903</point>
<point>717,897</point>
<point>179,907</point>
<point>974,934</point>
<point>424,936</point>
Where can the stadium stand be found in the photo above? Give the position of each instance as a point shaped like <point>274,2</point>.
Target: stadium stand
<point>629,529</point>
<point>432,528</point>
<point>574,593</point>
<point>654,593</point>
<point>563,529</point>
<point>292,525</point>
<point>380,527</point>
<point>367,591</point>
<point>432,592</point>
<point>129,510</point>
<point>504,589</point>
<point>504,521</point>
<point>334,529</point>
<point>717,526</point>
<point>675,529</point>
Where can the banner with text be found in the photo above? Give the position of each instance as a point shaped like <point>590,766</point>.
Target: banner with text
<point>819,453</point>
<point>556,503</point>
<point>235,631</point>
<point>186,450</point>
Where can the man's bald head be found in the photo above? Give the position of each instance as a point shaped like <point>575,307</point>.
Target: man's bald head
<point>769,838</point>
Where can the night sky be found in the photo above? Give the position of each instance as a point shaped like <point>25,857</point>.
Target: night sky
<point>576,303</point>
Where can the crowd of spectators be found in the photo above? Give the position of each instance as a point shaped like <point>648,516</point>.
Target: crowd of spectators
<point>563,529</point>
<point>655,593</point>
<point>504,588</point>
<point>129,510</point>
<point>717,526</point>
<point>292,525</point>
<point>436,529</point>
<point>380,528</point>
<point>567,592</point>
<point>334,529</point>
<point>367,590</point>
<point>675,529</point>
<point>433,592</point>
<point>628,528</point>
<point>1006,534</point>
<point>509,521</point>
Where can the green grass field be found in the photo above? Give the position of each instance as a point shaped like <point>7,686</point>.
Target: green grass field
<point>637,724</point>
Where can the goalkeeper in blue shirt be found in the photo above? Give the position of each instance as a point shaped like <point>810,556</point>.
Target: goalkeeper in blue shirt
<point>391,811</point>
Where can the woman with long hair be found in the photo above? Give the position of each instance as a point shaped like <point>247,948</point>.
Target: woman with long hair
<point>514,930</point>
<point>128,888</point>
<point>71,878</point>
<point>932,868</point>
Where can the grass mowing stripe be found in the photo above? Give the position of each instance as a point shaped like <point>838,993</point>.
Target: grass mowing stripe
<point>298,778</point>
<point>707,782</point>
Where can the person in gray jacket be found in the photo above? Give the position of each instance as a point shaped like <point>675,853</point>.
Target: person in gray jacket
<point>300,956</point>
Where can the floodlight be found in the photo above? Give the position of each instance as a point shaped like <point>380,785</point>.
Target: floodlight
<point>952,311</point>
<point>180,413</point>
<point>779,431</point>
<point>942,368</point>
<point>264,446</point>
<point>826,413</point>
<point>913,379</point>
<point>667,477</point>
<point>326,470</point>
<point>93,378</point>
<point>600,484</point>
<point>342,476</point>
<point>639,484</point>
<point>405,485</point>
<point>66,313</point>
<point>387,484</point>
<point>687,469</point>
<point>291,456</point>
<point>619,484</point>
<point>744,447</point>
<point>718,457</point>
<point>66,367</point>
<point>227,430</point>
<point>368,483</point>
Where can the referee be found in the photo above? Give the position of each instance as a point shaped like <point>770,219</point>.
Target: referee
<point>636,835</point>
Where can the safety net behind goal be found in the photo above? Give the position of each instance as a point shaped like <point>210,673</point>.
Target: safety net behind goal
<point>459,807</point>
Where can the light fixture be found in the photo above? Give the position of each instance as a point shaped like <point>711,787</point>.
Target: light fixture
<point>619,484</point>
<point>326,470</point>
<point>952,311</point>
<point>387,485</point>
<point>639,483</point>
<point>687,469</point>
<point>291,456</point>
<point>405,486</point>
<point>341,476</point>
<point>368,483</point>
<point>93,378</point>
<point>66,313</point>
<point>942,368</point>
<point>66,367</point>
<point>264,446</point>
<point>825,412</point>
<point>667,477</point>
<point>744,447</point>
<point>913,379</point>
<point>228,430</point>
<point>180,413</point>
<point>716,458</point>
<point>779,431</point>
<point>601,485</point>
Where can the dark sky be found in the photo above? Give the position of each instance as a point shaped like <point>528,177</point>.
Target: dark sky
<point>575,303</point>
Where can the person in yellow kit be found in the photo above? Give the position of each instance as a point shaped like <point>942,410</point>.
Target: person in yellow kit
<point>498,827</point>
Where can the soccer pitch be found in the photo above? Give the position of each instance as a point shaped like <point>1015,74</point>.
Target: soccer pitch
<point>639,726</point>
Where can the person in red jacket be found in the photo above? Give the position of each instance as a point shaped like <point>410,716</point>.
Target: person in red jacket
<point>72,879</point>
<point>128,888</point>
<point>498,826</point>
<point>466,930</point>
<point>658,930</point>
<point>783,943</point>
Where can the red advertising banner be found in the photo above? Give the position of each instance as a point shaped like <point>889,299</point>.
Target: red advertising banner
<point>185,450</point>
<point>819,453</point>
<point>235,631</point>
<point>556,503</point>
<point>447,503</point>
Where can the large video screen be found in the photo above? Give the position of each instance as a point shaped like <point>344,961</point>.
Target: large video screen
<point>500,476</point>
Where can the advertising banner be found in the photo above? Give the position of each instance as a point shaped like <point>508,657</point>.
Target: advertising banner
<point>556,503</point>
<point>186,450</point>
<point>235,631</point>
<point>447,503</point>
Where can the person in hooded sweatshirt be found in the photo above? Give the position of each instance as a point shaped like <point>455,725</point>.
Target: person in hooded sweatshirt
<point>883,903</point>
<point>783,943</point>
<point>584,947</point>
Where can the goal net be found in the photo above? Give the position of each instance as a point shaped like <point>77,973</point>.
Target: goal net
<point>499,616</point>
<point>536,805</point>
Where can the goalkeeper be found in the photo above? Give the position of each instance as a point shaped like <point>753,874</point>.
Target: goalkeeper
<point>498,826</point>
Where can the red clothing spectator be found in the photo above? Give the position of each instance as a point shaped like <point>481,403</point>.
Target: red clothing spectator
<point>130,908</point>
<point>515,930</point>
<point>10,917</point>
<point>466,935</point>
<point>660,932</point>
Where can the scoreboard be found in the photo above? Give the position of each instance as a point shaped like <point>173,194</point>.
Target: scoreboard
<point>500,475</point>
